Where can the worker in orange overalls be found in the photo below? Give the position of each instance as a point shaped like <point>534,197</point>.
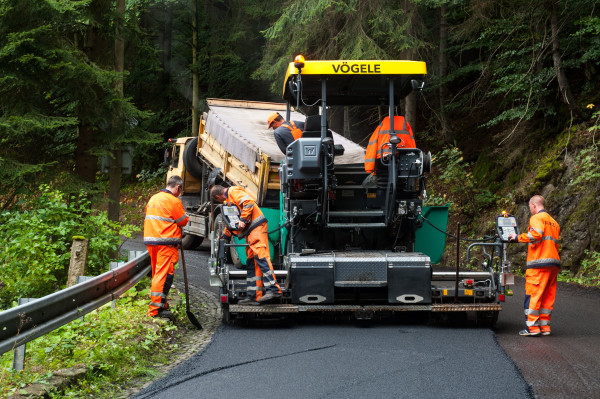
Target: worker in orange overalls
<point>165,217</point>
<point>285,133</point>
<point>253,227</point>
<point>543,265</point>
<point>376,149</point>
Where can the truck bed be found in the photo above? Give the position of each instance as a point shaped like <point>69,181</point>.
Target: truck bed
<point>240,127</point>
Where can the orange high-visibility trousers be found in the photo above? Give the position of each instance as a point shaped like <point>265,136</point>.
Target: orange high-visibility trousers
<point>163,259</point>
<point>540,293</point>
<point>261,276</point>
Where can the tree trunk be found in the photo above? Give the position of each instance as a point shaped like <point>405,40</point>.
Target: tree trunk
<point>114,195</point>
<point>97,49</point>
<point>410,104</point>
<point>443,61</point>
<point>561,77</point>
<point>195,82</point>
<point>86,164</point>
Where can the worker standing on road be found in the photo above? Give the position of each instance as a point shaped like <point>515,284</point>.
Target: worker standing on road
<point>285,132</point>
<point>165,217</point>
<point>543,265</point>
<point>252,226</point>
<point>376,149</point>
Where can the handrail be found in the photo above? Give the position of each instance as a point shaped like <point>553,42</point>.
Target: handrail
<point>31,320</point>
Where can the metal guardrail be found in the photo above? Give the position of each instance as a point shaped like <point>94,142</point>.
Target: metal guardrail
<point>26,322</point>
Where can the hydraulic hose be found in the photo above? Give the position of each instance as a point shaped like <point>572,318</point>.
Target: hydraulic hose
<point>484,238</point>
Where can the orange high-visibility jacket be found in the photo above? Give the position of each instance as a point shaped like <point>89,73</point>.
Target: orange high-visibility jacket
<point>381,135</point>
<point>542,236</point>
<point>250,213</point>
<point>164,217</point>
<point>296,132</point>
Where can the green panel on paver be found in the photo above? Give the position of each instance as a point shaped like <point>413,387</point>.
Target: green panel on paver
<point>272,216</point>
<point>428,240</point>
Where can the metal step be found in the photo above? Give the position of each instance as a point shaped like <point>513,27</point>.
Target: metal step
<point>297,308</point>
<point>353,225</point>
<point>357,213</point>
<point>350,187</point>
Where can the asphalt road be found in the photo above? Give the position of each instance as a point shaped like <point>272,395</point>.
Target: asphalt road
<point>402,358</point>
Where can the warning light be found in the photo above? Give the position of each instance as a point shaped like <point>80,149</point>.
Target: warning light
<point>504,213</point>
<point>224,298</point>
<point>469,283</point>
<point>501,297</point>
<point>299,61</point>
<point>171,140</point>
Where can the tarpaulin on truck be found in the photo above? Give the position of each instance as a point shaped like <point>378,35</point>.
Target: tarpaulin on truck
<point>243,133</point>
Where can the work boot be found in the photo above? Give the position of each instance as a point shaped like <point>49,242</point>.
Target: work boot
<point>269,296</point>
<point>546,332</point>
<point>250,301</point>
<point>165,314</point>
<point>526,333</point>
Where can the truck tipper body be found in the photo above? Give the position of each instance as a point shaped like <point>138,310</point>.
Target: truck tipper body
<point>341,240</point>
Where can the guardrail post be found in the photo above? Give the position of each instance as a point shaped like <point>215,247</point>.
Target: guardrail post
<point>134,254</point>
<point>19,351</point>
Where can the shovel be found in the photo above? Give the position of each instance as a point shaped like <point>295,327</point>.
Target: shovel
<point>190,315</point>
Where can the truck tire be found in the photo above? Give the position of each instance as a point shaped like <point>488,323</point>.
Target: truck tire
<point>190,241</point>
<point>235,259</point>
<point>190,160</point>
<point>219,223</point>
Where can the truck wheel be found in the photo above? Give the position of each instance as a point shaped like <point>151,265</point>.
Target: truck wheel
<point>225,316</point>
<point>488,319</point>
<point>190,160</point>
<point>235,259</point>
<point>219,224</point>
<point>190,241</point>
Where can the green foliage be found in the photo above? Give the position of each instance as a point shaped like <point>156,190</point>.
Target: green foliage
<point>588,273</point>
<point>149,175</point>
<point>355,29</point>
<point>116,345</point>
<point>37,243</point>
<point>456,178</point>
<point>587,167</point>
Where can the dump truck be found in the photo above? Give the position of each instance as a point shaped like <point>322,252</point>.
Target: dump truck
<point>341,240</point>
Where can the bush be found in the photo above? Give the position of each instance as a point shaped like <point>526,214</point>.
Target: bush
<point>37,243</point>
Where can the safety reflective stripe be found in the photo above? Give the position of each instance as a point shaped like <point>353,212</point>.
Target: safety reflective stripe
<point>181,218</point>
<point>532,312</point>
<point>548,262</point>
<point>245,198</point>
<point>248,206</point>
<point>269,283</point>
<point>160,305</point>
<point>160,294</point>
<point>251,288</point>
<point>370,159</point>
<point>530,237</point>
<point>538,230</point>
<point>546,311</point>
<point>532,323</point>
<point>250,279</point>
<point>162,240</point>
<point>544,322</point>
<point>162,219</point>
<point>549,238</point>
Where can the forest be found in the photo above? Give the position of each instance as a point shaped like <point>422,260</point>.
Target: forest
<point>510,106</point>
